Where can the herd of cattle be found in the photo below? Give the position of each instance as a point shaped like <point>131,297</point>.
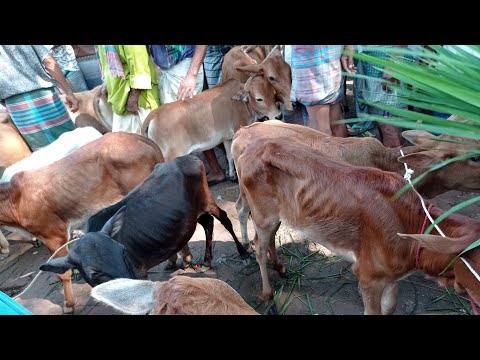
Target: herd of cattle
<point>143,195</point>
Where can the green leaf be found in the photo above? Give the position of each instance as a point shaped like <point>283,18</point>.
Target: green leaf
<point>450,211</point>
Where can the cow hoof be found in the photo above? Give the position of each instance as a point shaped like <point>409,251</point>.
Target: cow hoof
<point>67,310</point>
<point>37,243</point>
<point>249,248</point>
<point>3,256</point>
<point>273,310</point>
<point>170,265</point>
<point>233,178</point>
<point>283,273</point>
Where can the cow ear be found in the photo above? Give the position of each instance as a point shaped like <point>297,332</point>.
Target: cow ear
<point>420,138</point>
<point>113,226</point>
<point>423,159</point>
<point>241,95</point>
<point>58,265</point>
<point>251,70</point>
<point>133,297</point>
<point>444,245</point>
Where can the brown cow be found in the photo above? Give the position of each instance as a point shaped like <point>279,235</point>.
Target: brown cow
<point>181,295</point>
<point>47,202</point>
<point>12,147</point>
<point>349,210</point>
<point>210,118</point>
<point>461,175</point>
<point>238,65</point>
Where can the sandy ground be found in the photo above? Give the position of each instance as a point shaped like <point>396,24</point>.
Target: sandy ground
<point>317,284</point>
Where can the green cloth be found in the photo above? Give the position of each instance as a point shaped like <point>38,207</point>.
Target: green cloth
<point>139,72</point>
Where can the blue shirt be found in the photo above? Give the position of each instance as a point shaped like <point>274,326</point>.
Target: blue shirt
<point>166,56</point>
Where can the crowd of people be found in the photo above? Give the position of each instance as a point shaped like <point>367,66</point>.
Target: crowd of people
<point>140,78</point>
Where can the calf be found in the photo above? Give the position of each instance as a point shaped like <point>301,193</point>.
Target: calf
<point>210,118</point>
<point>47,202</point>
<point>181,295</point>
<point>152,223</point>
<point>64,145</point>
<point>93,110</point>
<point>366,151</point>
<point>238,65</point>
<point>349,210</point>
<point>12,147</point>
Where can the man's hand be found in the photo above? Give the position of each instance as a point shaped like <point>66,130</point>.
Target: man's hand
<point>72,102</point>
<point>248,48</point>
<point>132,101</point>
<point>347,64</point>
<point>347,60</point>
<point>187,87</point>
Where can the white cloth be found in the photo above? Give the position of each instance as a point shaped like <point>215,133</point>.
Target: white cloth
<point>169,81</point>
<point>130,123</point>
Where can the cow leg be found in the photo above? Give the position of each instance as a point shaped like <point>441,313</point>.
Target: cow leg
<point>222,216</point>
<point>262,244</point>
<point>389,298</point>
<point>53,243</point>
<point>171,262</point>
<point>187,256</point>
<point>277,265</point>
<point>206,220</point>
<point>243,210</point>
<point>4,246</point>
<point>231,167</point>
<point>372,291</point>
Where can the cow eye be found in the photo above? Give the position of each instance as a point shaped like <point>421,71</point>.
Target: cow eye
<point>475,158</point>
<point>259,99</point>
<point>271,78</point>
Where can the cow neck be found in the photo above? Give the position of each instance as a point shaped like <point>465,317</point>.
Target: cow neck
<point>253,113</point>
<point>136,273</point>
<point>6,208</point>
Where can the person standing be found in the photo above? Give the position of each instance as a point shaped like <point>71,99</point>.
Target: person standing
<point>317,85</point>
<point>65,57</point>
<point>131,82</point>
<point>28,77</point>
<point>88,63</point>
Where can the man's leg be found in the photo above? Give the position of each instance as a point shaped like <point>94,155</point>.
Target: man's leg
<point>319,118</point>
<point>216,172</point>
<point>339,130</point>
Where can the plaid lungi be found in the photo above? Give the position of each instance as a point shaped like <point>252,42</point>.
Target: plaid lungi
<point>213,62</point>
<point>40,116</point>
<point>316,74</point>
<point>372,90</point>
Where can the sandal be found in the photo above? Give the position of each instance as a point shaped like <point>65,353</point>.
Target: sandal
<point>360,127</point>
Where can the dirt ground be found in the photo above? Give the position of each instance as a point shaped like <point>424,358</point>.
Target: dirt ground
<point>317,284</point>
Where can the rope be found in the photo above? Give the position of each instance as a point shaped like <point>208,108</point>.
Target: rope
<point>266,57</point>
<point>419,247</point>
<point>41,271</point>
<point>407,176</point>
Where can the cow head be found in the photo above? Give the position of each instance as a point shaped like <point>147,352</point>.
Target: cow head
<point>463,175</point>
<point>464,279</point>
<point>96,255</point>
<point>260,98</point>
<point>277,72</point>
